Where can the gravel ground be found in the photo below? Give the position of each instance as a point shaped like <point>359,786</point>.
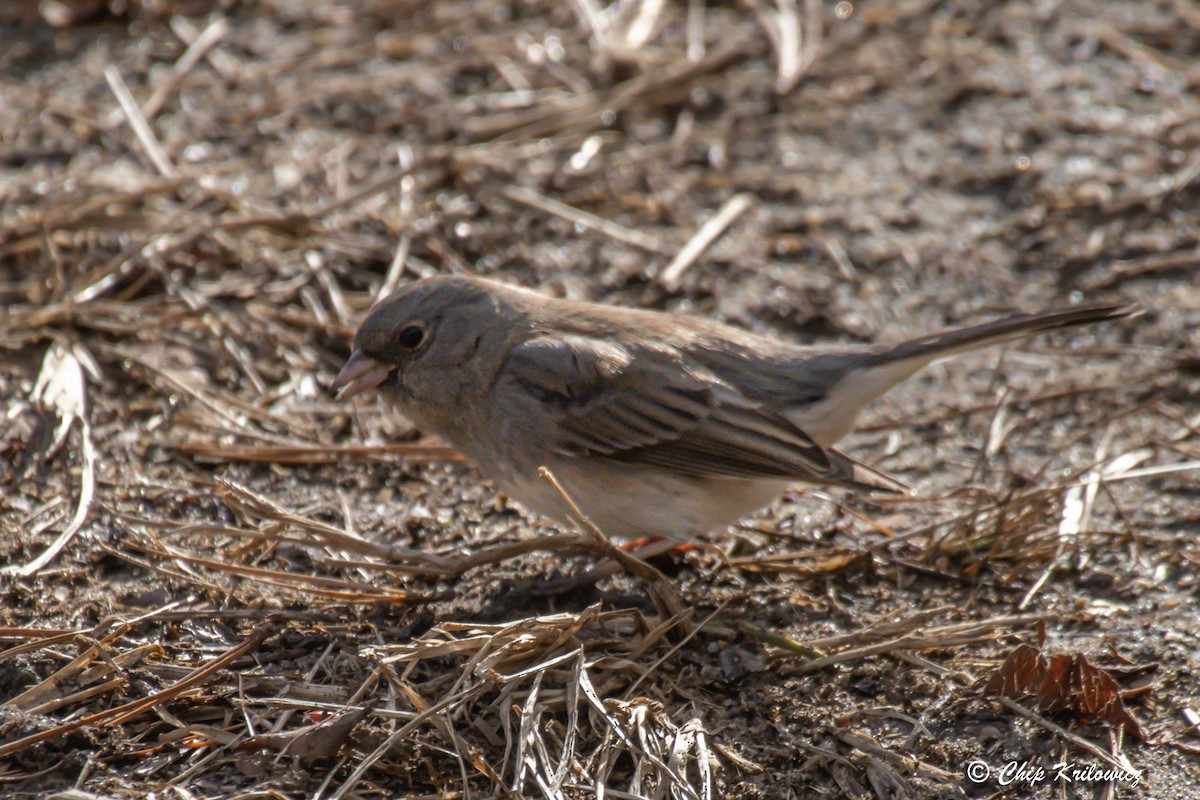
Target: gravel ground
<point>220,581</point>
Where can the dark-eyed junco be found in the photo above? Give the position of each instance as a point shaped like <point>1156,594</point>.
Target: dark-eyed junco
<point>656,424</point>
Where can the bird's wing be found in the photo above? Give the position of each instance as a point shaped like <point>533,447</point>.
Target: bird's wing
<point>650,405</point>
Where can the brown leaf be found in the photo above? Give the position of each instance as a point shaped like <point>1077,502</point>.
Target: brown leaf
<point>1020,673</point>
<point>1054,690</point>
<point>1098,695</point>
<point>1063,683</point>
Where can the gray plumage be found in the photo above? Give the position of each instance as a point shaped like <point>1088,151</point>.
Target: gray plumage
<point>657,424</point>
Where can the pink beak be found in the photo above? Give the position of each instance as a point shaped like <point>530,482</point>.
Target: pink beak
<point>361,374</point>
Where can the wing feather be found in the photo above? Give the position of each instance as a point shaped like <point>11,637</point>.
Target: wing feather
<point>651,405</point>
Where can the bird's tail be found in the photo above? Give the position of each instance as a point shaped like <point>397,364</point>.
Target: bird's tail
<point>857,380</point>
<point>959,340</point>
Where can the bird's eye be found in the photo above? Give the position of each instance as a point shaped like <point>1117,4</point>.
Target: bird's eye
<point>411,337</point>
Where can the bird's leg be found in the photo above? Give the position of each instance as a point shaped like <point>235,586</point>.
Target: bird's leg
<point>644,547</point>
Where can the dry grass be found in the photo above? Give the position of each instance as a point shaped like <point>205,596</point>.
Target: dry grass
<point>218,580</point>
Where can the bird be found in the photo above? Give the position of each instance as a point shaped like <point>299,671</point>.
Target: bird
<point>657,425</point>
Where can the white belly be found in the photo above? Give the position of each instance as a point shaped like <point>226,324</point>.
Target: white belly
<point>628,503</point>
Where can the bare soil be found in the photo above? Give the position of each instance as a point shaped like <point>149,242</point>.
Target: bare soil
<point>219,581</point>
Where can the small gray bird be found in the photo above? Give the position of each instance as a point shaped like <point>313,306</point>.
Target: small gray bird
<point>657,425</point>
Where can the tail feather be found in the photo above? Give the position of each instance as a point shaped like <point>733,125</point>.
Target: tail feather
<point>858,475</point>
<point>855,380</point>
<point>959,340</point>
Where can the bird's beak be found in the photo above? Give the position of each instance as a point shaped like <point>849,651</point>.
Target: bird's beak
<point>361,374</point>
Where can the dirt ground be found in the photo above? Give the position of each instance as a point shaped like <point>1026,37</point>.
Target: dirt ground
<point>218,581</point>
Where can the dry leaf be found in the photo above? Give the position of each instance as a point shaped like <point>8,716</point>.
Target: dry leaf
<point>1063,683</point>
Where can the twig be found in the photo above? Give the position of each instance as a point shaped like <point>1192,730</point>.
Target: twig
<point>733,208</point>
<point>195,51</point>
<point>225,64</point>
<point>391,281</point>
<point>1074,738</point>
<point>861,742</point>
<point>642,28</point>
<point>695,30</point>
<point>330,535</point>
<point>61,385</point>
<point>141,128</point>
<point>127,711</point>
<point>795,49</point>
<point>661,591</point>
<point>320,453</point>
<point>619,232</point>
